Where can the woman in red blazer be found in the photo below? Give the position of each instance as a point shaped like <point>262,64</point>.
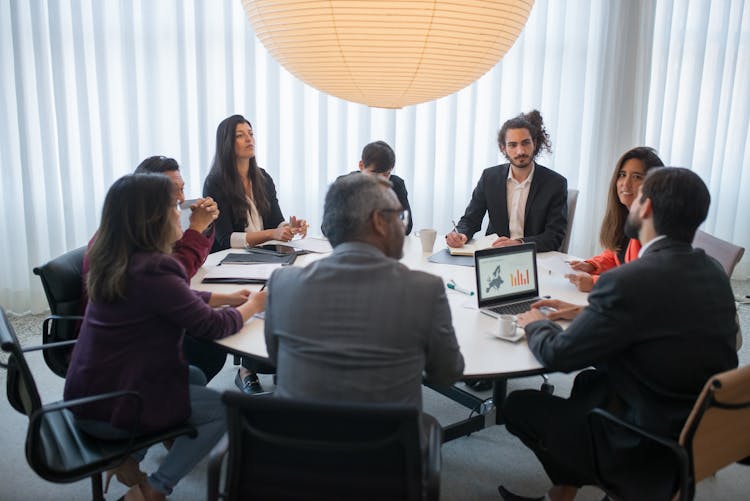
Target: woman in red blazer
<point>628,176</point>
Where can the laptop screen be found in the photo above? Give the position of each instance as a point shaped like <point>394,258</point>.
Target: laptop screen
<point>506,273</point>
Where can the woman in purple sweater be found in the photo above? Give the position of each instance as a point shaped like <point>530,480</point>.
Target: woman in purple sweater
<point>140,304</point>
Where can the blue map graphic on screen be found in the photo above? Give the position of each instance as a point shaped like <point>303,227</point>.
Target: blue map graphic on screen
<point>495,281</point>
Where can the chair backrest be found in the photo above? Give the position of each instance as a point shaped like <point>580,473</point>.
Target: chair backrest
<point>63,286</point>
<point>292,449</point>
<point>726,253</point>
<point>572,202</point>
<point>717,432</point>
<point>21,388</point>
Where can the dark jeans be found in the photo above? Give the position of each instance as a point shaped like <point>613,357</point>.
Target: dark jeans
<point>205,355</point>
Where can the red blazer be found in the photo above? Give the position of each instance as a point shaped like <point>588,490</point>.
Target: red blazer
<point>608,259</point>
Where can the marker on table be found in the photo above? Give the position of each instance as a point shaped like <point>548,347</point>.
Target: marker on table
<point>452,285</point>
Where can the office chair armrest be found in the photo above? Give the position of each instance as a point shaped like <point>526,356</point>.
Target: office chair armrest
<point>53,318</point>
<point>433,462</point>
<point>35,419</point>
<point>607,416</point>
<point>681,456</point>
<point>48,346</point>
<point>215,460</point>
<point>77,402</point>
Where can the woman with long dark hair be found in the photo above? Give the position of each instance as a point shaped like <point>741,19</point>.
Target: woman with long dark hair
<point>139,306</point>
<point>627,177</point>
<point>246,194</point>
<point>250,212</point>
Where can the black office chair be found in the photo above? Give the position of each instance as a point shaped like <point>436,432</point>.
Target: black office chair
<point>63,286</point>
<point>716,434</point>
<point>282,449</point>
<point>55,448</point>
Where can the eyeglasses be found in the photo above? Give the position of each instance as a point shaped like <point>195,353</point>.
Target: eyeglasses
<point>403,215</point>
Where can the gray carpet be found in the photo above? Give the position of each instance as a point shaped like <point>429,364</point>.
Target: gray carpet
<point>472,466</point>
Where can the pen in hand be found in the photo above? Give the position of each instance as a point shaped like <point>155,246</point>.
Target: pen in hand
<point>455,227</point>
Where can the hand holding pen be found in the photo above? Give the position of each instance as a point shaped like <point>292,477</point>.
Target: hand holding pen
<point>454,238</point>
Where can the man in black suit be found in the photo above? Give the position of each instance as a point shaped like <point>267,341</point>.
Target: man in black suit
<point>654,330</point>
<point>378,158</point>
<point>526,202</point>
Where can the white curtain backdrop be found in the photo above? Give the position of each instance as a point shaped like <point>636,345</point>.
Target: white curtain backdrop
<point>91,87</point>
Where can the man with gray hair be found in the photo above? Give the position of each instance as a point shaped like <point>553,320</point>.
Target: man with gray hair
<point>364,327</point>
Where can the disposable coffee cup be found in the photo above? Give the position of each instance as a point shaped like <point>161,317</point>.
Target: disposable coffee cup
<point>427,236</point>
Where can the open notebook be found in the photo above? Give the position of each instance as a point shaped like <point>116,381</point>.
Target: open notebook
<point>473,245</point>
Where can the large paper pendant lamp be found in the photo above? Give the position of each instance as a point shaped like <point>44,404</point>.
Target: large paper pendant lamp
<point>388,54</point>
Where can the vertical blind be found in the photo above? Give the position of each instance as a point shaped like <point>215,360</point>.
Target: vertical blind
<point>90,88</point>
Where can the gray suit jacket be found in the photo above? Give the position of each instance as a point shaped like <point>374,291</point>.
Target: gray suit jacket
<point>359,326</point>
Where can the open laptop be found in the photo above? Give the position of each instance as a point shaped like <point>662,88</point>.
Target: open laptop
<point>507,279</point>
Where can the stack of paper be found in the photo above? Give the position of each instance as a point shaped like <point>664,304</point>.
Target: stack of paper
<point>309,244</point>
<point>240,273</point>
<point>473,245</point>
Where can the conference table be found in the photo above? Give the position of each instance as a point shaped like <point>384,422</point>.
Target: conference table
<point>485,356</point>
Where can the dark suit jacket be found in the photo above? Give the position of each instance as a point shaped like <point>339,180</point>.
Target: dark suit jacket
<point>225,224</point>
<point>546,208</point>
<point>399,187</point>
<point>657,328</point>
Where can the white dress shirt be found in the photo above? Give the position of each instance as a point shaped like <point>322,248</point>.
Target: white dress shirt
<point>254,223</point>
<point>517,195</point>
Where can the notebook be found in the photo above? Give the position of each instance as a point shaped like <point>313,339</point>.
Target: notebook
<point>507,279</point>
<point>473,245</point>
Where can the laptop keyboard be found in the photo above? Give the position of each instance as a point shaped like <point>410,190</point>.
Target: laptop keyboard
<point>515,308</point>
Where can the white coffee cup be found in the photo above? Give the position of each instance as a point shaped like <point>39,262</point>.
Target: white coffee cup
<point>506,326</point>
<point>427,236</point>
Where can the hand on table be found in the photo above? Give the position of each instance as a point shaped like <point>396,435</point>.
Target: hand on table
<point>583,266</point>
<point>455,239</point>
<point>523,319</point>
<point>283,233</point>
<point>557,310</point>
<point>255,304</point>
<point>583,281</point>
<point>505,242</point>
<point>237,298</point>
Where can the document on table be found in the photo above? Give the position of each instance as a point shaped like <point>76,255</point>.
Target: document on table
<point>554,263</point>
<point>473,245</point>
<point>309,244</point>
<point>240,273</point>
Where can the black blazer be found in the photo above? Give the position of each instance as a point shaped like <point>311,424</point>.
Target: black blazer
<point>656,328</point>
<point>225,224</point>
<point>546,216</point>
<point>399,187</point>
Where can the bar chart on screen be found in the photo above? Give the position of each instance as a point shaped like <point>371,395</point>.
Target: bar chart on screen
<point>519,278</point>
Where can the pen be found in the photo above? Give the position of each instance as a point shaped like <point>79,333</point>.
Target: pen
<point>452,285</point>
<point>262,288</point>
<point>455,228</point>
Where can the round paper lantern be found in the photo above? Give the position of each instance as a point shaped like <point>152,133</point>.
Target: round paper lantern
<point>388,54</point>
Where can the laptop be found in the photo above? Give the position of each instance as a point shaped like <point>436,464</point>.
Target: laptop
<point>507,279</point>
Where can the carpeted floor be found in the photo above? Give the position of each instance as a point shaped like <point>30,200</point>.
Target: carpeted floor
<point>473,466</point>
